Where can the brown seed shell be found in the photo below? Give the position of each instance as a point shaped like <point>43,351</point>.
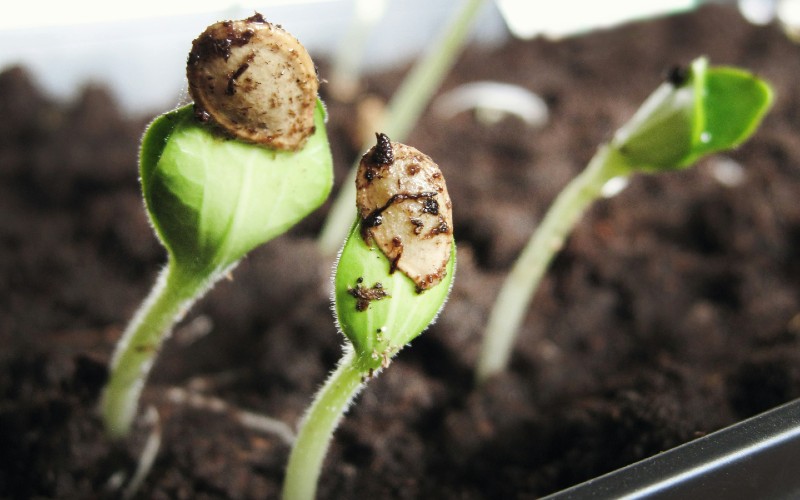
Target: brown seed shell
<point>256,81</point>
<point>406,210</point>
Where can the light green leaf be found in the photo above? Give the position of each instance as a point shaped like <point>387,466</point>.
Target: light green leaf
<point>715,109</point>
<point>385,325</point>
<point>734,104</point>
<point>212,199</point>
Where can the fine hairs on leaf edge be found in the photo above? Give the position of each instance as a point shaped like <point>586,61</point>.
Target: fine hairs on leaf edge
<point>144,138</point>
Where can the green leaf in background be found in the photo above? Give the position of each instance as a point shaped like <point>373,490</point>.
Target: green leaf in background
<point>734,103</point>
<point>713,109</point>
<point>212,199</point>
<point>698,111</point>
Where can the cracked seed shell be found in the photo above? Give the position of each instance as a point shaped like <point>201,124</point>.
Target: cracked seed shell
<point>406,210</point>
<point>256,81</point>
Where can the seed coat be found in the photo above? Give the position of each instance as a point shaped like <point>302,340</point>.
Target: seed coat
<point>254,80</point>
<point>405,210</point>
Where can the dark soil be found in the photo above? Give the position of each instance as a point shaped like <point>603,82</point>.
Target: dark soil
<point>673,311</point>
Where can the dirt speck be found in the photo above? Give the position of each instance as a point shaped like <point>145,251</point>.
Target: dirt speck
<point>364,296</point>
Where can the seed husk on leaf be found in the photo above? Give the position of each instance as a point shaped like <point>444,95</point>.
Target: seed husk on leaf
<point>256,81</point>
<point>405,209</point>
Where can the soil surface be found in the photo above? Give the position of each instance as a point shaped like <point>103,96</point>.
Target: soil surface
<point>673,311</point>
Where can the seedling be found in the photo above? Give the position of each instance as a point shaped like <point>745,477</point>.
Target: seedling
<point>696,112</point>
<point>245,163</point>
<point>393,276</point>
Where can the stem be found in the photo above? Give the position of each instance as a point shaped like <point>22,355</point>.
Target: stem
<point>316,431</point>
<point>172,295</point>
<point>344,80</point>
<point>523,279</point>
<point>405,109</point>
<point>416,91</point>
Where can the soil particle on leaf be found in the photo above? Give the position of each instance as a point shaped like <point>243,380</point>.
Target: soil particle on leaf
<point>364,295</point>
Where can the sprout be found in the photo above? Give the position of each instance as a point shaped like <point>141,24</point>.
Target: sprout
<point>212,198</point>
<point>383,297</point>
<point>696,112</point>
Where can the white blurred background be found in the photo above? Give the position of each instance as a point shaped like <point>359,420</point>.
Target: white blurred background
<point>139,48</point>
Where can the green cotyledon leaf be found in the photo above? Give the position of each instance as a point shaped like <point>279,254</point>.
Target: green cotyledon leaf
<point>381,311</point>
<point>705,110</point>
<point>212,199</point>
<point>734,104</point>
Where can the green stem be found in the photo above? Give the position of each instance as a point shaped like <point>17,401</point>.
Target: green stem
<point>172,295</point>
<point>344,81</point>
<point>416,91</point>
<point>405,109</point>
<point>316,431</point>
<point>523,279</point>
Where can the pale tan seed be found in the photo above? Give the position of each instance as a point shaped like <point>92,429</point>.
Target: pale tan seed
<point>256,81</point>
<point>405,210</point>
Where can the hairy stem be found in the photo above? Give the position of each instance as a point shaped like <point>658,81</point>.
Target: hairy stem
<point>172,295</point>
<point>316,431</point>
<point>523,279</point>
<point>405,108</point>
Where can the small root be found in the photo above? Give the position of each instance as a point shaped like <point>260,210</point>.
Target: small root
<point>249,420</point>
<point>148,456</point>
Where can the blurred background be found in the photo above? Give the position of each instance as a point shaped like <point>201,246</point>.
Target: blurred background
<point>139,48</point>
